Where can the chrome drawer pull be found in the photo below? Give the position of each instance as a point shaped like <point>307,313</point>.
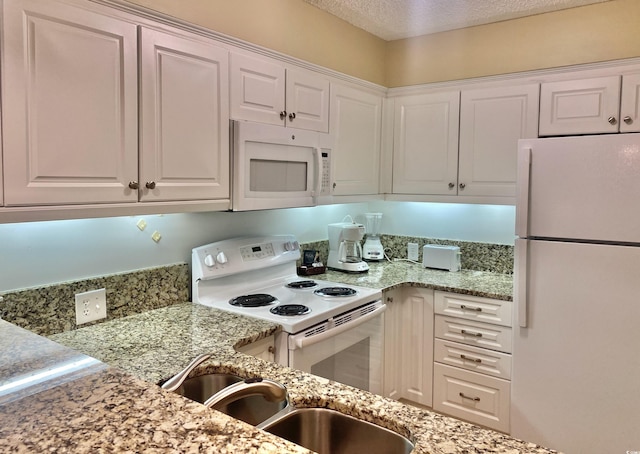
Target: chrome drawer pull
<point>466,358</point>
<point>475,399</point>
<point>469,333</point>
<point>469,308</point>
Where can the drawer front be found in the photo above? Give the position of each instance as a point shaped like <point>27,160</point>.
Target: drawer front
<point>481,360</point>
<point>474,308</point>
<point>473,333</point>
<point>473,397</point>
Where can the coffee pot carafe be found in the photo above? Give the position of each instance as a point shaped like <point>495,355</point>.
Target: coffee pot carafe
<point>345,251</point>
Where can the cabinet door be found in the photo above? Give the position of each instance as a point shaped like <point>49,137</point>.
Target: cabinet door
<point>417,345</point>
<point>356,119</point>
<point>70,116</point>
<point>584,106</point>
<point>257,89</point>
<point>425,144</point>
<point>184,118</point>
<point>392,386</point>
<point>630,105</point>
<point>491,123</point>
<point>307,100</point>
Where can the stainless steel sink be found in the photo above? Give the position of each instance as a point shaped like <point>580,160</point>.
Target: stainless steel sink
<point>330,432</point>
<point>251,409</point>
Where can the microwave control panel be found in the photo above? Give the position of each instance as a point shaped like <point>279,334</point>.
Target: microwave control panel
<point>325,184</point>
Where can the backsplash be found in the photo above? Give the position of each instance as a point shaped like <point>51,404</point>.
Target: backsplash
<point>495,258</point>
<point>51,309</point>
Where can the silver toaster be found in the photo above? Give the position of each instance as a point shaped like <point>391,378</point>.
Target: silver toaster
<point>441,257</point>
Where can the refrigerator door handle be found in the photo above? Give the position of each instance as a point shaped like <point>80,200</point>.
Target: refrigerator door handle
<point>522,191</point>
<point>520,280</point>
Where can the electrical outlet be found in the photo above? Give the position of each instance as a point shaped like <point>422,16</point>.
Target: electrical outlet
<point>412,251</point>
<point>91,306</point>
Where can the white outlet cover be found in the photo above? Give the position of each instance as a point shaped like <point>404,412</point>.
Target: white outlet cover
<point>91,306</point>
<point>412,251</point>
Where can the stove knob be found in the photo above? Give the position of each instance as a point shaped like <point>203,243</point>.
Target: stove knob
<point>221,258</point>
<point>208,260</point>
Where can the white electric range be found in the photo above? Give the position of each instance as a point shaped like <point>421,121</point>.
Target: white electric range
<point>329,329</point>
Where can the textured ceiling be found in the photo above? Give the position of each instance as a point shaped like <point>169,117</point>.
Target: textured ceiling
<point>396,19</point>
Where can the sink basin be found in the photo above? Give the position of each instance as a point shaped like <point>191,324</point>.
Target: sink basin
<point>330,432</point>
<point>250,409</point>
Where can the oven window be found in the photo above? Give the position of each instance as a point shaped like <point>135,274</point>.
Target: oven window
<point>349,366</point>
<point>277,176</point>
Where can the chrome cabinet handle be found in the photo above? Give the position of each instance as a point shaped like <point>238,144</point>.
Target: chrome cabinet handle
<point>133,185</point>
<point>452,185</point>
<point>470,308</point>
<point>612,120</point>
<point>292,116</point>
<point>475,399</point>
<point>462,185</point>
<point>150,185</point>
<point>628,120</point>
<point>466,358</point>
<point>283,115</point>
<point>469,333</point>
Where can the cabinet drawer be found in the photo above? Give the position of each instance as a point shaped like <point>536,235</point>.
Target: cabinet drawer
<point>474,308</point>
<point>473,397</point>
<point>474,333</point>
<point>479,360</point>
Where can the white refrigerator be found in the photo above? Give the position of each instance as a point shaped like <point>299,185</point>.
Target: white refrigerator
<point>576,356</point>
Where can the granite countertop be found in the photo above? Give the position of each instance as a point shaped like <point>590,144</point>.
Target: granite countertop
<point>115,405</point>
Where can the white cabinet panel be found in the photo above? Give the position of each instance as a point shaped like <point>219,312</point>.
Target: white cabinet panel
<point>478,334</point>
<point>630,103</point>
<point>481,360</point>
<point>184,118</point>
<point>486,310</point>
<point>392,386</point>
<point>307,100</point>
<point>425,149</point>
<point>580,106</point>
<point>356,122</point>
<point>257,89</point>
<point>491,123</point>
<point>70,105</point>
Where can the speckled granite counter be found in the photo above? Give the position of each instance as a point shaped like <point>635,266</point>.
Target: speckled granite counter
<point>118,408</point>
<point>388,275</point>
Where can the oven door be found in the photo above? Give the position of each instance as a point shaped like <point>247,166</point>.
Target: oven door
<point>277,167</point>
<point>349,350</point>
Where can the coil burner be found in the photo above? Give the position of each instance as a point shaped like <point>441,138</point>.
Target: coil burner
<point>290,310</point>
<point>335,291</point>
<point>254,300</point>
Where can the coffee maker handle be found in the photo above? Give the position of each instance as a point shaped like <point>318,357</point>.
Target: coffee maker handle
<point>342,252</point>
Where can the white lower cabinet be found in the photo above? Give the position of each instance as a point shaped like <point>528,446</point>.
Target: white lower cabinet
<point>472,359</point>
<point>408,369</point>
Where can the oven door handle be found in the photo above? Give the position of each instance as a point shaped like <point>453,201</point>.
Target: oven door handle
<point>306,341</point>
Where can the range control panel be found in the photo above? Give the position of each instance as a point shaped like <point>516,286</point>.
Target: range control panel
<point>238,255</point>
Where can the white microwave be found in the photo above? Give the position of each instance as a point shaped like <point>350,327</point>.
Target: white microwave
<point>278,167</point>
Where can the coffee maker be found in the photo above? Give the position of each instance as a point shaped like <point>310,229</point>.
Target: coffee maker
<point>372,249</point>
<point>345,251</point>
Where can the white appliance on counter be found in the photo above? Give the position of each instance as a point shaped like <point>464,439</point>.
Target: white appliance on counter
<point>278,167</point>
<point>576,367</point>
<point>345,250</point>
<point>328,329</point>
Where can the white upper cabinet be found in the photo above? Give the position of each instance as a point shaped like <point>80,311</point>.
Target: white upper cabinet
<point>184,105</point>
<point>492,120</point>
<point>356,122</point>
<point>70,111</point>
<point>263,90</point>
<point>425,148</point>
<point>598,105</point>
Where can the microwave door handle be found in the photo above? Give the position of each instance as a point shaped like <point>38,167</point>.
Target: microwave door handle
<point>318,175</point>
<point>306,341</point>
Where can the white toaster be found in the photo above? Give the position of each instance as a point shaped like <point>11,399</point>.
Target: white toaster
<point>441,257</point>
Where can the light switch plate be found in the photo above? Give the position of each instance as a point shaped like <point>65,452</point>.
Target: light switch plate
<point>91,306</point>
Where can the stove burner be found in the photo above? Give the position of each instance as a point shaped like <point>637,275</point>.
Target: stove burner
<point>302,284</point>
<point>290,309</point>
<point>335,291</point>
<point>255,300</point>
